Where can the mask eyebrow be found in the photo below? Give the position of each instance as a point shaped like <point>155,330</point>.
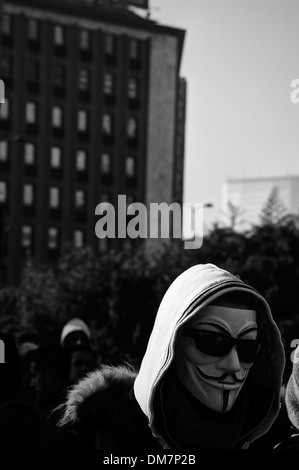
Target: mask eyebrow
<point>248,330</point>
<point>216,325</point>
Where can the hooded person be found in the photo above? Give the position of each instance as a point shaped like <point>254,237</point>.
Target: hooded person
<point>75,333</point>
<point>210,377</point>
<point>291,400</point>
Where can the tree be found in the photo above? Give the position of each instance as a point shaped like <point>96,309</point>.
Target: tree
<point>234,214</point>
<point>117,294</point>
<point>9,319</point>
<point>273,210</point>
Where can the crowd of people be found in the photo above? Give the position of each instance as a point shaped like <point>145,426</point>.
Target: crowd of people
<point>211,378</point>
<point>34,380</point>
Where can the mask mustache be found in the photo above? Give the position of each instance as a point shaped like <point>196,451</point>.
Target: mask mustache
<point>234,377</point>
<point>222,377</point>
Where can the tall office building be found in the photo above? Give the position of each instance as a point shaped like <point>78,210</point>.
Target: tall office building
<point>95,108</point>
<point>250,196</point>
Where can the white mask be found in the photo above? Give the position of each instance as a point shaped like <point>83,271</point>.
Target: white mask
<point>216,381</point>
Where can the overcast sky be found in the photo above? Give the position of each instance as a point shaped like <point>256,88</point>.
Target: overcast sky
<point>239,59</point>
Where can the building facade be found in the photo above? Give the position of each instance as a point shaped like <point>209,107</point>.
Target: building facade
<point>94,109</point>
<point>250,195</point>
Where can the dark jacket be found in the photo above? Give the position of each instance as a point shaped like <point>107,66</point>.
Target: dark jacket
<point>102,412</point>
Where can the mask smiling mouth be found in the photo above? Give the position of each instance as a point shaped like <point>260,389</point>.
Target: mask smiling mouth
<point>232,379</point>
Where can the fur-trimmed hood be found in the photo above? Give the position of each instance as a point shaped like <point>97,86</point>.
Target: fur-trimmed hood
<point>89,395</point>
<point>102,411</point>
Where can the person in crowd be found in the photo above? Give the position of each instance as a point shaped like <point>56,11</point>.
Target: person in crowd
<point>291,400</point>
<point>10,370</point>
<point>27,341</point>
<point>210,378</point>
<point>49,375</point>
<point>22,423</point>
<point>76,341</point>
<point>82,361</point>
<point>75,333</point>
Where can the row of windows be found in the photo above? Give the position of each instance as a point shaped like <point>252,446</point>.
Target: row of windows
<point>55,198</point>
<point>83,117</point>
<point>53,237</point>
<point>59,78</point>
<point>81,159</point>
<point>80,198</point>
<point>60,37</point>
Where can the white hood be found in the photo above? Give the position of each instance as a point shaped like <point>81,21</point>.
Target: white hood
<point>189,293</point>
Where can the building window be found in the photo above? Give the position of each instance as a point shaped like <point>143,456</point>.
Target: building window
<point>110,44</point>
<point>33,29</point>
<point>82,120</point>
<point>28,195</point>
<point>130,167</point>
<point>54,198</point>
<point>59,75</point>
<point>78,238</point>
<point>3,192</point>
<point>3,151</point>
<point>26,236</point>
<point>57,116</point>
<point>55,157</point>
<point>134,49</point>
<point>33,71</point>
<point>30,113</point>
<point>6,25</point>
<point>81,160</point>
<point>80,199</point>
<point>85,40</point>
<point>59,35</point>
<point>6,67</point>
<point>132,128</point>
<point>109,84</point>
<point>84,80</point>
<point>106,163</point>
<point>5,110</point>
<point>52,238</point>
<point>29,156</point>
<point>107,123</point>
<point>132,89</point>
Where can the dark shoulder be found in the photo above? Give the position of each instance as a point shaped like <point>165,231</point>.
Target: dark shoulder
<point>97,395</point>
<point>102,410</point>
<point>292,443</point>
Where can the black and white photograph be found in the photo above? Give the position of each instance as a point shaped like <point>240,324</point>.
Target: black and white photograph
<point>149,228</point>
